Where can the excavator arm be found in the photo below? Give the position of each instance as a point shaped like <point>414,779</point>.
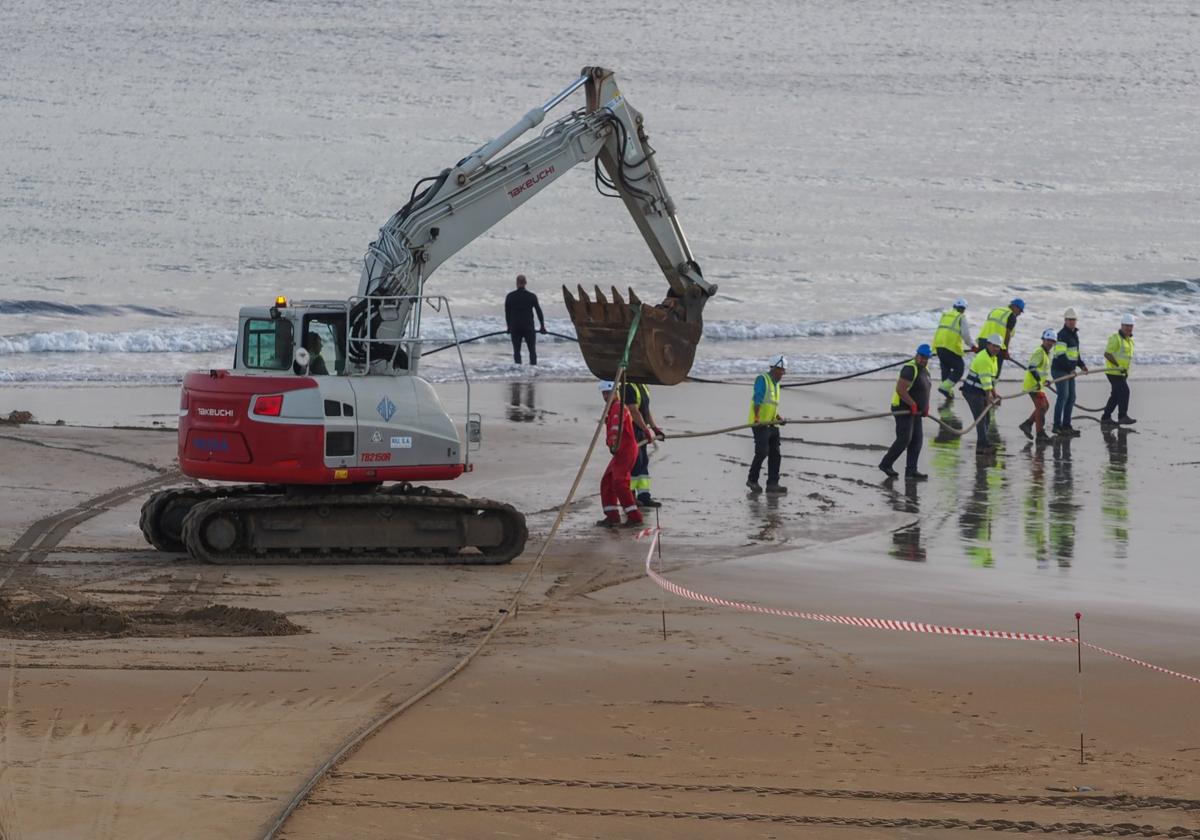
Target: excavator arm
<point>463,202</point>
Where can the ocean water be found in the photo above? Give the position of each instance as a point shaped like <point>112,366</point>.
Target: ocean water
<point>843,171</point>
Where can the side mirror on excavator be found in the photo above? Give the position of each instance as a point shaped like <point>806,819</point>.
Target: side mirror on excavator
<point>300,362</point>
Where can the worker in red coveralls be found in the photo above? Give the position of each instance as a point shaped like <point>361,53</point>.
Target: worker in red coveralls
<point>615,494</point>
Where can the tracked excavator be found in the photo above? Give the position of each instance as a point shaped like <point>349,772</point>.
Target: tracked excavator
<point>323,424</point>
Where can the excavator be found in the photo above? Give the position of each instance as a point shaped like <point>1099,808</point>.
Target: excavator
<point>323,424</point>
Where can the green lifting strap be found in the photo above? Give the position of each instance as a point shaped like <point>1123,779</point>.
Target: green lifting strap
<point>637,319</point>
<point>618,384</point>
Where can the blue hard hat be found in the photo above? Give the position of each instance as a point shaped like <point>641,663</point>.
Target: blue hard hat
<point>1017,302</point>
<point>924,350</point>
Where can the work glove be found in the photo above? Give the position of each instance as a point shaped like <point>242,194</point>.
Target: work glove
<point>659,432</point>
<point>542,330</point>
<point>913,410</point>
<point>925,413</point>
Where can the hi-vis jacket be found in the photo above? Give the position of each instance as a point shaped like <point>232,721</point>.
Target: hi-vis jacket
<point>984,369</point>
<point>997,322</point>
<point>1037,372</point>
<point>952,333</point>
<point>1121,349</point>
<point>768,409</point>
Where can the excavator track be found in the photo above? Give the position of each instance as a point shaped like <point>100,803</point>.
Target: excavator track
<point>163,513</point>
<point>398,525</point>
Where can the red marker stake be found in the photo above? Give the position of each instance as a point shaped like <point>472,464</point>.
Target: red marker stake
<point>1079,662</point>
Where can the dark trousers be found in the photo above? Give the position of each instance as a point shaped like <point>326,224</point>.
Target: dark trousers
<point>530,338</point>
<point>766,446</point>
<point>1065,403</point>
<point>952,365</point>
<point>1119,398</point>
<point>910,435</point>
<point>978,401</point>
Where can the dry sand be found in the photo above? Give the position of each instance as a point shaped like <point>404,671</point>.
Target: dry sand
<point>166,730</point>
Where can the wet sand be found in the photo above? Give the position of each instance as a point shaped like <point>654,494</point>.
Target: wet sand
<point>204,736</point>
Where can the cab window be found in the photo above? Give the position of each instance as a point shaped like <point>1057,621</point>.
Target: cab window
<point>267,344</point>
<point>325,338</point>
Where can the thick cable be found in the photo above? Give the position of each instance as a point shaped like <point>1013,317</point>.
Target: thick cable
<point>992,406</point>
<point>806,382</point>
<point>1054,391</point>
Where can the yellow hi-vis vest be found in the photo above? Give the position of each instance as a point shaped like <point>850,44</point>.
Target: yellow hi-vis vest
<point>641,393</point>
<point>1121,349</point>
<point>1039,363</point>
<point>896,391</point>
<point>769,407</point>
<point>1061,348</point>
<point>984,369</point>
<point>949,332</point>
<point>997,324</point>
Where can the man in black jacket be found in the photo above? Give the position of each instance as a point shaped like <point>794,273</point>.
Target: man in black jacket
<point>1066,360</point>
<point>519,307</point>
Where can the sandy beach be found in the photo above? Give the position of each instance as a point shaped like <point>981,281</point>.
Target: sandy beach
<point>178,717</point>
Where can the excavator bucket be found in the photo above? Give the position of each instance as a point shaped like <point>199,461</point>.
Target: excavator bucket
<point>663,348</point>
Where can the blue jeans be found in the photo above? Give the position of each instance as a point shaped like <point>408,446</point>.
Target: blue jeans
<point>1065,403</point>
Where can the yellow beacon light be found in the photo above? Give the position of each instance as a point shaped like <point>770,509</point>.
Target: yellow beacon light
<point>281,301</point>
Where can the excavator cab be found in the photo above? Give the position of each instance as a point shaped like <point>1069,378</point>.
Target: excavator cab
<point>663,346</point>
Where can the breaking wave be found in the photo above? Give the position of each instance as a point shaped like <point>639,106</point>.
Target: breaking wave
<point>54,307</point>
<point>1152,287</point>
<point>198,339</point>
<point>208,339</point>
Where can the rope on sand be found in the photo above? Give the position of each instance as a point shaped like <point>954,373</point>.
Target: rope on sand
<point>356,740</point>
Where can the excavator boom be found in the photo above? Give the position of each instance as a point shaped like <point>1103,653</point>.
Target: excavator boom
<point>462,202</point>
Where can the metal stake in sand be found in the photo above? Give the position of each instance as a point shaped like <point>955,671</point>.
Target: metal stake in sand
<point>1079,663</point>
<point>658,527</point>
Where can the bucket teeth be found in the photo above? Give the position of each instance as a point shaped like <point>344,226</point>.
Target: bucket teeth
<point>662,350</point>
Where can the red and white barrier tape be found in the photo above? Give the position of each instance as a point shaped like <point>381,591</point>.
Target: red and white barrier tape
<point>883,623</point>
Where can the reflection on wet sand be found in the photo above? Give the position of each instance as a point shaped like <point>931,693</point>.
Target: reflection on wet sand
<point>1114,504</point>
<point>945,457</point>
<point>764,509</point>
<point>522,402</point>
<point>1036,537</point>
<point>906,542</point>
<point>978,515</point>
<point>1063,510</point>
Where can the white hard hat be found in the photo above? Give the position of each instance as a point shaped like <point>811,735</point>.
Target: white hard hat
<point>1127,320</point>
<point>779,362</point>
<point>995,338</point>
<point>961,303</point>
<point>1070,315</point>
<point>1050,335</point>
<point>606,385</point>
